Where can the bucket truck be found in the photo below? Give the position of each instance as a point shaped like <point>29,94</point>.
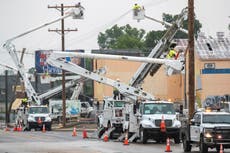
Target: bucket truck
<point>144,122</point>
<point>34,116</point>
<point>113,115</point>
<point>126,115</point>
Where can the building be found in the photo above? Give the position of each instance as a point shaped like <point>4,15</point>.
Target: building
<point>212,67</point>
<point>122,70</point>
<point>212,72</point>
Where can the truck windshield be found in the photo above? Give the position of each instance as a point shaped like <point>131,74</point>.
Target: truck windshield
<point>216,118</point>
<point>38,110</point>
<point>119,103</point>
<point>158,108</point>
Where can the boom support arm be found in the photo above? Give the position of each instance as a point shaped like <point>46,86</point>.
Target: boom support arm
<point>157,51</point>
<point>56,59</point>
<point>10,47</point>
<point>175,64</point>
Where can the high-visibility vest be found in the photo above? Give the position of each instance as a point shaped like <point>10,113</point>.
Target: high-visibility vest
<point>171,53</point>
<point>24,100</point>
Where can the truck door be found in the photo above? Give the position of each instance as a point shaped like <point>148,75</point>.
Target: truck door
<point>195,128</point>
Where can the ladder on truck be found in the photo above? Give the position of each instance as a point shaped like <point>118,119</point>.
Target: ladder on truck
<point>158,51</point>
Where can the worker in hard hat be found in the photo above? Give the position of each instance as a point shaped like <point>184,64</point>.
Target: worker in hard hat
<point>136,9</point>
<point>172,52</point>
<point>116,94</point>
<point>24,102</point>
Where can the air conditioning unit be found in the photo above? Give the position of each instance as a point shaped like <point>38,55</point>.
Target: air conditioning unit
<point>209,66</point>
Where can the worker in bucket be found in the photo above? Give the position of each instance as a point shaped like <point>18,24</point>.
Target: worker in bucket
<point>172,52</point>
<point>136,9</point>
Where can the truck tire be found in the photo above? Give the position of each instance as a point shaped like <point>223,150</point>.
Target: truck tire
<point>203,146</point>
<point>186,145</point>
<point>101,131</point>
<point>143,136</point>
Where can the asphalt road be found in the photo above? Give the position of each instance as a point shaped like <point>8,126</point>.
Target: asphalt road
<point>64,142</point>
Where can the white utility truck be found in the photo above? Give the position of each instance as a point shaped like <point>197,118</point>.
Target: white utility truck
<point>34,117</point>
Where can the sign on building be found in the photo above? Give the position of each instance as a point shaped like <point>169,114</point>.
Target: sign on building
<point>42,66</point>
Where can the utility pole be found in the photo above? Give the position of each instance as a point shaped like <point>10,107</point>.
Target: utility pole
<point>191,67</point>
<point>62,32</point>
<point>6,98</point>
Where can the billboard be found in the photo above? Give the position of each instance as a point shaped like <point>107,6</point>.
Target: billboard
<point>43,67</point>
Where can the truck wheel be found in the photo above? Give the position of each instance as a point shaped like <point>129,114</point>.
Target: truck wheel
<point>203,146</point>
<point>143,136</point>
<point>186,145</point>
<point>101,131</point>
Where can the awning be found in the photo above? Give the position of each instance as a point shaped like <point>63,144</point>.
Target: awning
<point>17,102</point>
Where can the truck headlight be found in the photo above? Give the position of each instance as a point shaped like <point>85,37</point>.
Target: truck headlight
<point>146,125</point>
<point>48,119</point>
<point>31,118</point>
<point>177,123</point>
<point>208,133</point>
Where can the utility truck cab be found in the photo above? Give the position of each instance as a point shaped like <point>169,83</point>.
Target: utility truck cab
<point>152,116</point>
<point>112,116</point>
<point>39,116</point>
<point>34,117</point>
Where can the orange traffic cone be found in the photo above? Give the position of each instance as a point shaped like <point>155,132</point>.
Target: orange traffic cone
<point>126,141</point>
<point>162,125</point>
<point>74,132</point>
<point>19,128</point>
<point>15,128</point>
<point>43,128</point>
<point>106,138</point>
<point>221,148</point>
<point>168,146</point>
<point>84,134</point>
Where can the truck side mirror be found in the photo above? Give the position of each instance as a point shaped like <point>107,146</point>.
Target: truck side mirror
<point>192,121</point>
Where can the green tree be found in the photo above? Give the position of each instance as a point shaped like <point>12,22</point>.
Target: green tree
<point>124,37</point>
<point>170,18</point>
<point>153,37</point>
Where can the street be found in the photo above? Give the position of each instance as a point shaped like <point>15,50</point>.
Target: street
<point>64,142</point>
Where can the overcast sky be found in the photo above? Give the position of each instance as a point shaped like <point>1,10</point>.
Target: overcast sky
<point>18,16</point>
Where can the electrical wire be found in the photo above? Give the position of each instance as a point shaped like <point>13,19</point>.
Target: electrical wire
<point>91,34</point>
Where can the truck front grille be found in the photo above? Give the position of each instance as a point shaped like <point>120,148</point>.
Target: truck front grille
<point>118,113</point>
<point>224,132</point>
<point>42,119</point>
<point>168,123</point>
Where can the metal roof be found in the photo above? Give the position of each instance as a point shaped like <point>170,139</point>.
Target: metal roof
<point>209,48</point>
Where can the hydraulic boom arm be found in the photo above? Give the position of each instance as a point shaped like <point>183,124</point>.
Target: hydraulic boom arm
<point>157,51</point>
<point>10,47</point>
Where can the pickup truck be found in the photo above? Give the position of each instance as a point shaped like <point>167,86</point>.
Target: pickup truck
<point>206,130</point>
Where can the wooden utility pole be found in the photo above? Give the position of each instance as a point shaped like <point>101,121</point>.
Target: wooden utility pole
<point>191,67</point>
<point>62,32</point>
<point>6,98</point>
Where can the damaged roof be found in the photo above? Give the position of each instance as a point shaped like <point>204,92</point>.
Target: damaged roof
<point>209,48</point>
